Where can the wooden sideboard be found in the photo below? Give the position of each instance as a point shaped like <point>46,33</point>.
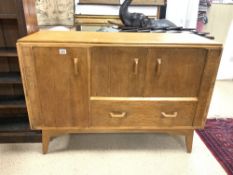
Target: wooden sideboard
<point>87,82</point>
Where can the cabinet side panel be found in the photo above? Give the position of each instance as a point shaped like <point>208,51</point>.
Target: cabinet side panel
<point>207,85</point>
<point>28,74</point>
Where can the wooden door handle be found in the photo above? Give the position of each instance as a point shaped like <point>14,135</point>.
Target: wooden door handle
<point>174,115</point>
<point>117,115</point>
<point>76,63</point>
<point>158,67</point>
<point>136,61</point>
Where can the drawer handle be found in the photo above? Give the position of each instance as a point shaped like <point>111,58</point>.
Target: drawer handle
<point>136,60</point>
<point>158,67</point>
<point>117,115</point>
<point>76,63</point>
<point>174,115</point>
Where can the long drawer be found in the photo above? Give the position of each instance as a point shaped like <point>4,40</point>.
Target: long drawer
<point>142,113</point>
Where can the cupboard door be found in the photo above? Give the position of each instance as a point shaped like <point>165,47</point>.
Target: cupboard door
<point>174,72</point>
<point>63,85</point>
<point>118,71</point>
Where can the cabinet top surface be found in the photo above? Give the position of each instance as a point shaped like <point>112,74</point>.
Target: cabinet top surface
<point>118,38</point>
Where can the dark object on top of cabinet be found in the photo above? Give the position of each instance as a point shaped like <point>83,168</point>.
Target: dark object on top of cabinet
<point>140,20</point>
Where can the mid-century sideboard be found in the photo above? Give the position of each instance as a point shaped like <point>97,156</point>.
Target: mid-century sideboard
<point>96,82</point>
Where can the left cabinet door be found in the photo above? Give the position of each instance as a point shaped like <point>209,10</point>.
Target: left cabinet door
<point>62,84</point>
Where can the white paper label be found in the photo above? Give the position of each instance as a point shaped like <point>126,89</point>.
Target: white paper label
<point>62,51</point>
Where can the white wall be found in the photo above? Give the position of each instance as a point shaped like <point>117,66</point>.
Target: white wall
<point>226,65</point>
<point>183,12</point>
<point>111,10</point>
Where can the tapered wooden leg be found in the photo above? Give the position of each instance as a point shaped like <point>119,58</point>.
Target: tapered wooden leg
<point>189,140</point>
<point>45,141</point>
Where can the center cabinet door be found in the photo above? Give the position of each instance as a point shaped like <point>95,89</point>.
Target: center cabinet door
<point>118,71</point>
<point>63,85</point>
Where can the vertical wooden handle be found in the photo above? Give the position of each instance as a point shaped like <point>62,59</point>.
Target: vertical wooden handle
<point>76,62</point>
<point>136,60</point>
<point>158,67</point>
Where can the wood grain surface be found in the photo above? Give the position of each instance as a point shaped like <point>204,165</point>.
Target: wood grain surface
<point>113,71</point>
<point>140,39</point>
<point>141,113</point>
<point>117,82</point>
<point>69,107</point>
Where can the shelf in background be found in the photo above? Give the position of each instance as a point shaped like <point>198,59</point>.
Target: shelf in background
<point>17,19</point>
<point>17,130</point>
<point>19,136</point>
<point>10,78</point>
<point>13,124</point>
<point>8,16</point>
<point>12,103</point>
<point>8,52</point>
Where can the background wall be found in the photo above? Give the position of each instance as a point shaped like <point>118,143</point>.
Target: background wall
<point>183,13</point>
<point>61,12</point>
<point>55,12</point>
<point>112,9</point>
<point>220,25</point>
<point>226,65</point>
<point>220,17</point>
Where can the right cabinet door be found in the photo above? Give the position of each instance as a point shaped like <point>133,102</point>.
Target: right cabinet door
<point>174,72</point>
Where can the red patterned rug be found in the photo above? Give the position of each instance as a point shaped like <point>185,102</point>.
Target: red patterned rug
<point>218,137</point>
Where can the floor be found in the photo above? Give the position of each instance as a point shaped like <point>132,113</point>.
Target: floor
<point>222,100</point>
<point>119,154</point>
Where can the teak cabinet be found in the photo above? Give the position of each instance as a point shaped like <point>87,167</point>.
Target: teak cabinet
<point>80,82</point>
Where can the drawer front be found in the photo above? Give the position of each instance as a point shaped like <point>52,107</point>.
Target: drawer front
<point>141,113</point>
